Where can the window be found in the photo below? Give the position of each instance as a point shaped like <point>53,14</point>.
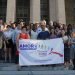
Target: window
<point>45,9</point>
<point>23,10</point>
<point>3,7</point>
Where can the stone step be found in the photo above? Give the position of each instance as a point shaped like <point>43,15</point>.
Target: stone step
<point>8,67</point>
<point>41,68</point>
<point>14,67</point>
<point>37,72</point>
<point>6,64</point>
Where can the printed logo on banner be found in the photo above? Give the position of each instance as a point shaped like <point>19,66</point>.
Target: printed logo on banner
<point>28,46</point>
<point>49,52</point>
<point>42,53</point>
<point>54,52</point>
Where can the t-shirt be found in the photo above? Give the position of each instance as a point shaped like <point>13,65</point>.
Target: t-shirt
<point>14,34</point>
<point>53,36</point>
<point>8,34</point>
<point>73,41</point>
<point>34,34</point>
<point>43,35</point>
<point>23,36</point>
<point>39,29</point>
<point>65,38</point>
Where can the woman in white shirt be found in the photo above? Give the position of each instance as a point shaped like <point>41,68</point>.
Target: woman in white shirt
<point>8,35</point>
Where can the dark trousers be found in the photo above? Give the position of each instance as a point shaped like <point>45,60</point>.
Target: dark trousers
<point>15,57</point>
<point>1,54</point>
<point>74,61</point>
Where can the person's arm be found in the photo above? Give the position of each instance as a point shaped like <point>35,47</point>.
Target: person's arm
<point>17,41</point>
<point>4,45</point>
<point>13,36</point>
<point>4,42</point>
<point>5,38</point>
<point>28,36</point>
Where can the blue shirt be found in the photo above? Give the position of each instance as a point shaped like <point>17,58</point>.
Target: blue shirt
<point>43,35</point>
<point>14,35</point>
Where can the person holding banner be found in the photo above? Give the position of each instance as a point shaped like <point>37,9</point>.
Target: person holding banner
<point>66,49</point>
<point>44,34</point>
<point>22,35</point>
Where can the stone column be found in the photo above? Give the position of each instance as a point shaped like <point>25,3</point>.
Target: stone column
<point>57,11</point>
<point>11,11</point>
<point>34,11</point>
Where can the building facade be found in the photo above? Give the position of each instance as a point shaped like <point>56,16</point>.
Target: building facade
<point>33,11</point>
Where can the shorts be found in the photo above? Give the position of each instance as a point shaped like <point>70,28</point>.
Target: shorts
<point>9,44</point>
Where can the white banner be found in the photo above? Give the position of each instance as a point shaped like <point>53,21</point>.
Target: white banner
<point>41,52</point>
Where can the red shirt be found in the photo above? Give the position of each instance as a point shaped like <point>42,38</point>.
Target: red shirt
<point>23,36</point>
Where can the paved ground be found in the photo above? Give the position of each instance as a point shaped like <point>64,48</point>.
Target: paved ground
<point>37,73</point>
<point>11,69</point>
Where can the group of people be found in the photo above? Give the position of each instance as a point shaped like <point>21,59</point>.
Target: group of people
<point>12,33</point>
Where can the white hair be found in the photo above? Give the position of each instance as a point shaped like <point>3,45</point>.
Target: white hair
<point>44,22</point>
